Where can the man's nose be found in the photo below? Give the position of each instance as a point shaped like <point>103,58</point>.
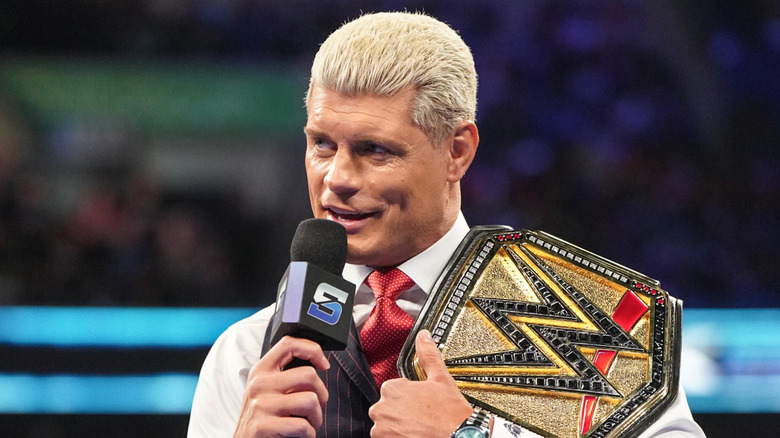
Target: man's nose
<point>343,173</point>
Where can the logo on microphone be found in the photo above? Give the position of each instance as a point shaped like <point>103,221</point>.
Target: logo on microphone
<point>327,303</point>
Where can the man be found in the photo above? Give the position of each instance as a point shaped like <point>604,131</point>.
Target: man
<point>390,133</point>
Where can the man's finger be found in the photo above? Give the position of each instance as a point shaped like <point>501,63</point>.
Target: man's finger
<point>304,379</point>
<point>430,357</point>
<point>289,348</point>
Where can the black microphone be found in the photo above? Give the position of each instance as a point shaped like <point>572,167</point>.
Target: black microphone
<point>314,302</point>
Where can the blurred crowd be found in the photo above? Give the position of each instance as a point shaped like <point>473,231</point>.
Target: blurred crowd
<point>643,131</point>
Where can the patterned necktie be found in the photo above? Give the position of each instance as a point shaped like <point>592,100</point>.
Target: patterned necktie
<point>388,326</point>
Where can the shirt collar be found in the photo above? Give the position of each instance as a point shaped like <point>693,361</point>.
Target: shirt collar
<point>424,268</point>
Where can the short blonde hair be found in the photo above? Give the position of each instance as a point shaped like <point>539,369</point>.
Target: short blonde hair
<point>386,53</point>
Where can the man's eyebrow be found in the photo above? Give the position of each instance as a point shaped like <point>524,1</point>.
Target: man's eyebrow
<point>369,139</point>
<point>313,132</point>
<point>360,140</point>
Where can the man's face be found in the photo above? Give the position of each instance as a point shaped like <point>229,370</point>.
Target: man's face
<point>372,170</point>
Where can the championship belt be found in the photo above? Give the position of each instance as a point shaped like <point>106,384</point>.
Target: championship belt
<point>552,337</point>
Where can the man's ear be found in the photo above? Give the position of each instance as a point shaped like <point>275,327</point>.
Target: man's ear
<point>462,148</point>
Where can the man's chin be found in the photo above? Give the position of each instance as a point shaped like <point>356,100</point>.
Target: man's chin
<point>356,256</point>
<point>374,259</point>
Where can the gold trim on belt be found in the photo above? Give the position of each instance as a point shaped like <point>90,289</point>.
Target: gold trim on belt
<point>552,337</point>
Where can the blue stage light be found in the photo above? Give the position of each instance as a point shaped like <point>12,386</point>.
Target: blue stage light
<point>69,394</point>
<point>115,326</point>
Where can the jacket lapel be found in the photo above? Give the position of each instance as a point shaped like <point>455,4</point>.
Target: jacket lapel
<point>353,362</point>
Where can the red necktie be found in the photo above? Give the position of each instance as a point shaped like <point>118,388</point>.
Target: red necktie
<point>388,326</point>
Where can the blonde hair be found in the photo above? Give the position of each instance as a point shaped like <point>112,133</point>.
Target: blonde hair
<point>386,53</point>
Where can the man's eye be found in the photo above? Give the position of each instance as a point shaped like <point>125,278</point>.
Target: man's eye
<point>322,144</point>
<point>373,148</point>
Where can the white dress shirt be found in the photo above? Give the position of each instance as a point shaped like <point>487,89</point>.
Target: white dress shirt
<point>220,390</point>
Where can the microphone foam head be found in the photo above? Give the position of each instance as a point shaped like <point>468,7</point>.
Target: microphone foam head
<point>320,242</point>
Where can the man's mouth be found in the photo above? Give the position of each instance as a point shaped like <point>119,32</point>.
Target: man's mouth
<point>339,215</point>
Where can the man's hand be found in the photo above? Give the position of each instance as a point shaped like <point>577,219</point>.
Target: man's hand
<point>431,408</point>
<point>284,403</point>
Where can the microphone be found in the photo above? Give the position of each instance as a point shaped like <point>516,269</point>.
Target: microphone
<point>313,301</point>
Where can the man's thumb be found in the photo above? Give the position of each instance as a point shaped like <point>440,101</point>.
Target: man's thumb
<point>430,358</point>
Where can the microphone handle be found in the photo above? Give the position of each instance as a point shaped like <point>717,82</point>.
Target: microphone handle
<point>296,362</point>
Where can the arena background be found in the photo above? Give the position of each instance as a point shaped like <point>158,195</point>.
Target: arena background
<point>151,179</point>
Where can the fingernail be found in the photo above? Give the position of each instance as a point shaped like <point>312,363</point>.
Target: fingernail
<point>425,335</point>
